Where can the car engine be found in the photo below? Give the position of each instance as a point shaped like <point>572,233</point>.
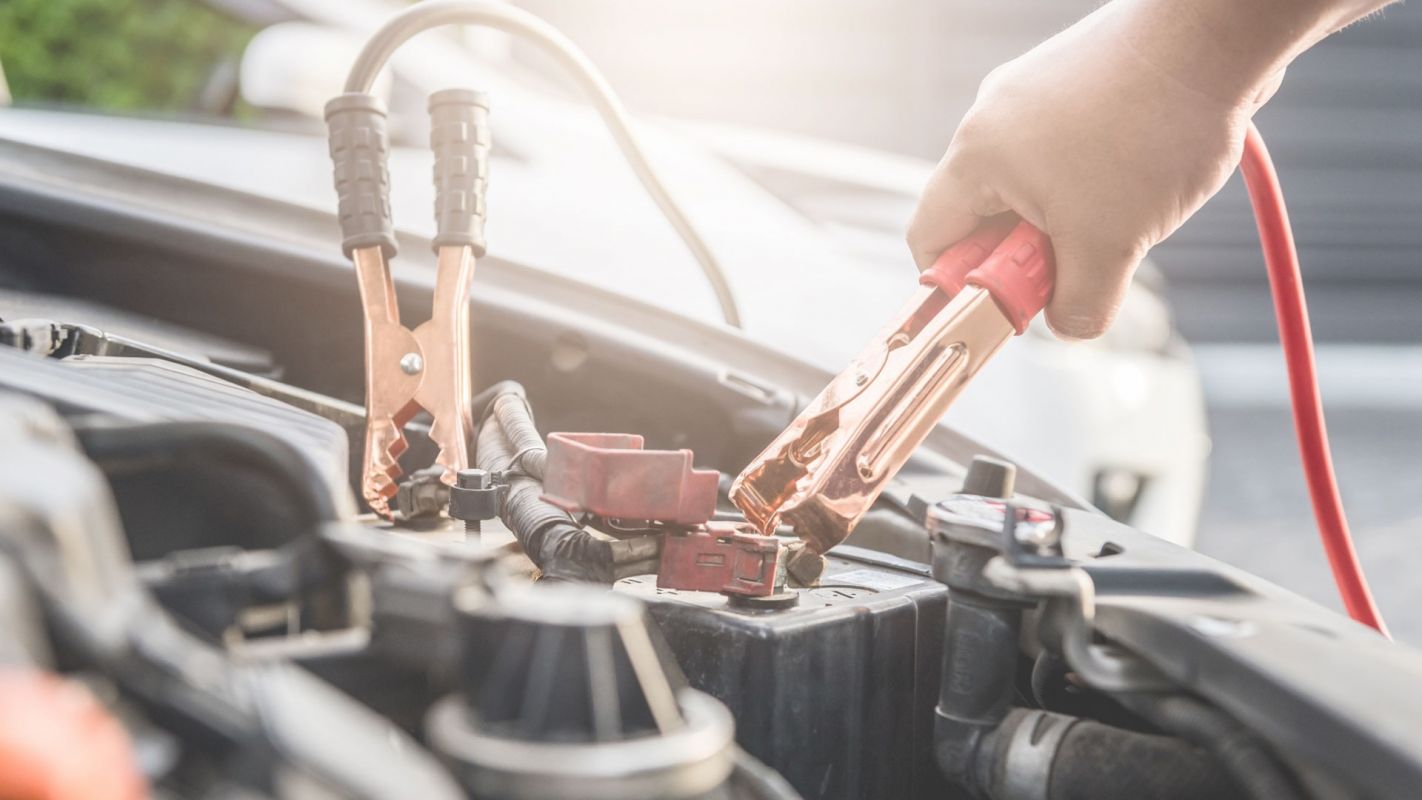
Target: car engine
<point>206,593</point>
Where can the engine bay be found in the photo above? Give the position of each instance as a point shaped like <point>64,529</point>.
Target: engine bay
<point>204,598</point>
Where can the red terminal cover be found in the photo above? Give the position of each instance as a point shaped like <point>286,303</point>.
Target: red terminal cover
<point>59,743</point>
<point>720,558</point>
<point>609,475</point>
<point>1010,258</point>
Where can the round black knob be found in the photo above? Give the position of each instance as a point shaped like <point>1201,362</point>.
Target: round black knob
<point>990,477</point>
<point>565,698</point>
<point>564,663</point>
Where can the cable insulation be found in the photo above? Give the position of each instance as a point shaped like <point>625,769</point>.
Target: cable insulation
<point>517,22</point>
<point>1286,284</point>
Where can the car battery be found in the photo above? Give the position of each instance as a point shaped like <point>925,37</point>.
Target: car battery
<point>836,692</point>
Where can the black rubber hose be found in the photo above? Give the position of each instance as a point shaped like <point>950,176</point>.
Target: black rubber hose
<point>222,441</point>
<point>1099,762</point>
<point>1048,669</point>
<point>1247,761</point>
<point>557,546</point>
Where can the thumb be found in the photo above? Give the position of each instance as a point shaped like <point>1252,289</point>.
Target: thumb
<point>950,208</point>
<point>1091,281</point>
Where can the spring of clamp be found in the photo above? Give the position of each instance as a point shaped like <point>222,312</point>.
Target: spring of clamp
<point>428,367</point>
<point>824,471</point>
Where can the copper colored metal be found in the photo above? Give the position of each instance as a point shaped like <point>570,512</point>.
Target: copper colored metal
<point>824,471</point>
<point>407,370</point>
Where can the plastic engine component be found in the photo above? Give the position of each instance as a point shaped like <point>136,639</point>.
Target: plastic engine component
<point>59,743</point>
<point>835,693</point>
<point>142,390</point>
<point>564,698</point>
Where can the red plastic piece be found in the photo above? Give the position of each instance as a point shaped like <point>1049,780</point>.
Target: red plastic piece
<point>1010,258</point>
<point>720,558</point>
<point>1282,261</point>
<point>950,272</point>
<point>58,743</point>
<point>609,475</point>
<point>1019,274</point>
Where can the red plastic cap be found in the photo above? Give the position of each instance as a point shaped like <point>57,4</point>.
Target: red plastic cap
<point>58,743</point>
<point>950,272</point>
<point>1019,274</point>
<point>611,476</point>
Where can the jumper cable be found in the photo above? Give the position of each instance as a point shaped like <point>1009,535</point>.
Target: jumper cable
<point>827,468</point>
<point>1281,259</point>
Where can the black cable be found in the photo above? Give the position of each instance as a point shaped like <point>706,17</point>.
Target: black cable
<point>483,403</point>
<point>552,540</point>
<point>500,16</point>
<point>530,453</point>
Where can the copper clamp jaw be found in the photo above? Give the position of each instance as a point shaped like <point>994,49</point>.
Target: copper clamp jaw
<point>826,469</point>
<point>428,367</point>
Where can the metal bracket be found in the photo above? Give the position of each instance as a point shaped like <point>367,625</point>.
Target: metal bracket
<point>1071,598</point>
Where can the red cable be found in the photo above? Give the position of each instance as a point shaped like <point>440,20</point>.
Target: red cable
<point>1282,261</point>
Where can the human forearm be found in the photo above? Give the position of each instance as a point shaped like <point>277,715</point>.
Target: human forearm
<point>1109,135</point>
<point>1232,49</point>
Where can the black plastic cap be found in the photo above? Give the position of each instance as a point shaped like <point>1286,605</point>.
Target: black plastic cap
<point>474,496</point>
<point>360,150</point>
<point>460,139</point>
<point>563,664</point>
<point>990,477</point>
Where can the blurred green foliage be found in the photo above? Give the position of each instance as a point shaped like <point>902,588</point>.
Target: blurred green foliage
<point>122,55</point>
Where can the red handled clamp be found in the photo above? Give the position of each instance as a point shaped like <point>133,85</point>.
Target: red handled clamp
<point>824,471</point>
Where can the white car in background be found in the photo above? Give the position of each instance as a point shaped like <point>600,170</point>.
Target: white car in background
<point>808,232</point>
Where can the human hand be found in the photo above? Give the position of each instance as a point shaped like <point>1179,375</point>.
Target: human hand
<point>1107,137</point>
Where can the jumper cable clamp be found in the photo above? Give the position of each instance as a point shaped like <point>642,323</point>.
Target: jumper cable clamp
<point>824,471</point>
<point>428,367</point>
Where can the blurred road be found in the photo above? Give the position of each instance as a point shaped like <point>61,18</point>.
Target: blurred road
<point>1257,513</point>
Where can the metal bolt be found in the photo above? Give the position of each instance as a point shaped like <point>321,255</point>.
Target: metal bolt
<point>411,363</point>
<point>472,479</point>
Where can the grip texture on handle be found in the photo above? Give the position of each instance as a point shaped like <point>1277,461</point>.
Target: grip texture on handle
<point>1019,274</point>
<point>460,139</point>
<point>359,151</point>
<point>950,271</point>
